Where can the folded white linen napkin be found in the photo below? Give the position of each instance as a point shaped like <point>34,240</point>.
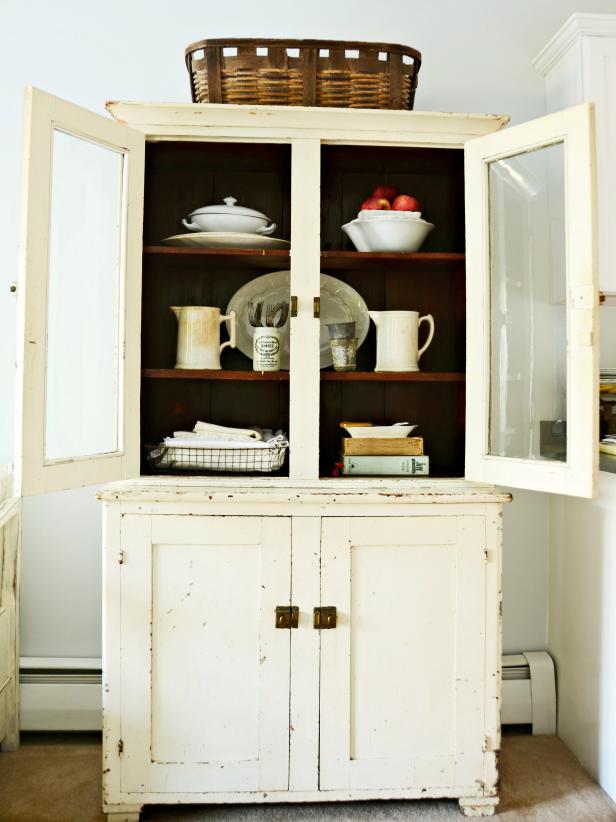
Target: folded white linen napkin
<point>229,431</point>
<point>180,440</point>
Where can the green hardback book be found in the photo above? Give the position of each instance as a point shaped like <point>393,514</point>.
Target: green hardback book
<point>386,466</point>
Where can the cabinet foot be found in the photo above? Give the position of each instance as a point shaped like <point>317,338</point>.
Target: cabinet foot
<point>478,805</point>
<point>122,813</point>
<point>10,742</point>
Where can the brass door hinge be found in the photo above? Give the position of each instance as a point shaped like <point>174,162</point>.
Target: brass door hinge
<point>287,616</point>
<point>294,306</point>
<point>325,617</point>
<point>121,557</point>
<point>120,747</point>
<point>316,308</point>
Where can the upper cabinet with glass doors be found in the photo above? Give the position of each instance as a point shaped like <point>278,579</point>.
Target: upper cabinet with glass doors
<point>485,338</point>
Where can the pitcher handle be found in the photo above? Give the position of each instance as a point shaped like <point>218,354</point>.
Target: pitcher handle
<point>231,340</point>
<point>430,320</point>
<point>191,226</point>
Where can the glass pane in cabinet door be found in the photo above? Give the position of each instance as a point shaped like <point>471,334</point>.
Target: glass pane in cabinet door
<point>83,384</point>
<point>528,331</point>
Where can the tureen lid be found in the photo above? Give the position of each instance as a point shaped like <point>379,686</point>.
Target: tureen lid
<point>230,207</point>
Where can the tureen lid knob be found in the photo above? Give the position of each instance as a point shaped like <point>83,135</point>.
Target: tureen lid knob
<point>230,201</point>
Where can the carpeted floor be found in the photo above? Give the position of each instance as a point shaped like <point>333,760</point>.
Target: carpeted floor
<point>55,778</point>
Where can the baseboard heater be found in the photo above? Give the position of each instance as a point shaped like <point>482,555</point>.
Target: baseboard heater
<point>60,694</point>
<point>65,694</point>
<point>529,691</point>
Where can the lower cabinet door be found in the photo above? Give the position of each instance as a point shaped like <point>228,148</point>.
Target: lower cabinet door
<point>402,673</point>
<point>204,670</point>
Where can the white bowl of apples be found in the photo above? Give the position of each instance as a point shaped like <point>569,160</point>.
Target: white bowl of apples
<point>388,221</point>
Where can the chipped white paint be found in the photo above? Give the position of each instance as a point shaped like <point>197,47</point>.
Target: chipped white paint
<point>204,670</point>
<point>250,123</point>
<point>177,697</point>
<point>395,714</point>
<point>10,540</point>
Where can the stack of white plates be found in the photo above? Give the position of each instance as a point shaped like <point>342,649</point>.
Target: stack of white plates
<point>226,239</point>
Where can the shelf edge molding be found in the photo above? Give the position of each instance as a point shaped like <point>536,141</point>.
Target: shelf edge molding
<point>283,376</point>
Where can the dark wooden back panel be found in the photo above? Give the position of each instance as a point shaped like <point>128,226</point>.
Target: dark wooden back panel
<point>179,178</point>
<point>183,176</point>
<point>435,177</point>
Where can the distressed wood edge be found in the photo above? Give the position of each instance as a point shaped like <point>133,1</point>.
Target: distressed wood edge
<point>10,534</point>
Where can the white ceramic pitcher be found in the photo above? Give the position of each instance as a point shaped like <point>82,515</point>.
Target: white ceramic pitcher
<point>397,339</point>
<point>199,343</point>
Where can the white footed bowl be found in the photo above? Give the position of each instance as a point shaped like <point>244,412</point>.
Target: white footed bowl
<point>402,235</point>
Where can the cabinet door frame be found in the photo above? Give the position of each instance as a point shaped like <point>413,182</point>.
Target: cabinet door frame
<point>139,773</point>
<point>579,474</point>
<point>43,114</point>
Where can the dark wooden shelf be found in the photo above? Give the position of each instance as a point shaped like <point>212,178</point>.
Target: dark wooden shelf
<point>330,260</point>
<point>229,257</point>
<point>202,374</point>
<point>283,376</point>
<point>375,261</point>
<point>392,376</point>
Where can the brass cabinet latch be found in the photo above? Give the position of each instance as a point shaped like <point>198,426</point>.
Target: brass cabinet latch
<point>325,617</point>
<point>287,616</point>
<point>294,306</point>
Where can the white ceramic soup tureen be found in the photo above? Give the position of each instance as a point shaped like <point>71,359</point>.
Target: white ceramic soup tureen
<point>229,217</point>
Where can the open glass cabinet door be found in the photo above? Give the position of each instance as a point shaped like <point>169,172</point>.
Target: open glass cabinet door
<point>532,306</point>
<point>79,299</point>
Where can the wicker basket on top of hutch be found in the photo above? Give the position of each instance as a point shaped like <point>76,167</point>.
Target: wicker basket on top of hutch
<point>301,637</point>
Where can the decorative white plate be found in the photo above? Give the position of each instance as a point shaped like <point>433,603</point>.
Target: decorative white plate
<point>398,429</point>
<point>226,239</point>
<point>339,304</point>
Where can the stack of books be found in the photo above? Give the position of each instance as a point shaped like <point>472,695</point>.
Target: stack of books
<point>384,456</point>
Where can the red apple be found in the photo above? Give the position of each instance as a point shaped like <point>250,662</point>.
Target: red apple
<point>376,204</point>
<point>388,192</point>
<point>404,202</point>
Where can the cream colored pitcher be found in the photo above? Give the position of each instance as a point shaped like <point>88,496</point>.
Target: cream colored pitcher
<point>199,343</point>
<point>397,339</point>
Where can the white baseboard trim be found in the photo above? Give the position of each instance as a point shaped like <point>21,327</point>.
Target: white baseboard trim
<point>61,707</point>
<point>60,694</point>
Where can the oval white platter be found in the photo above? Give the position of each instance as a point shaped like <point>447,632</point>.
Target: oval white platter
<point>226,239</point>
<point>339,304</point>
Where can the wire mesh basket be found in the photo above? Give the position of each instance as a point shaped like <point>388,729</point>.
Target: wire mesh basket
<point>181,460</point>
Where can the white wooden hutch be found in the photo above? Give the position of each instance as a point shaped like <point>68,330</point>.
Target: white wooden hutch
<point>210,694</point>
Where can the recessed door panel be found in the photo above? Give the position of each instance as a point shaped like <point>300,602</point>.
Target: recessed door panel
<point>205,671</point>
<point>402,674</point>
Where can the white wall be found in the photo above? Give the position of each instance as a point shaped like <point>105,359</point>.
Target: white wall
<point>477,57</point>
<point>582,619</point>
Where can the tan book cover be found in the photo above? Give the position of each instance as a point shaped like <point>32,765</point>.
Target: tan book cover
<point>382,446</point>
